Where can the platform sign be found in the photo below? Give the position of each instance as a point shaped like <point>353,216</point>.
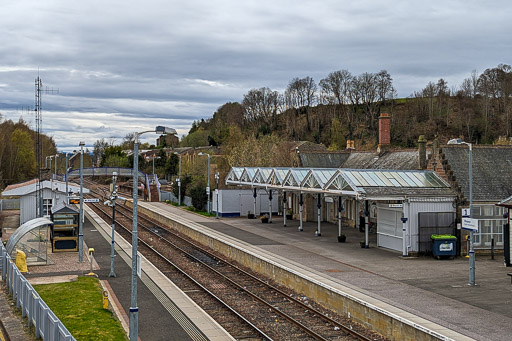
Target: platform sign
<point>466,212</point>
<point>470,224</point>
<point>396,205</point>
<point>91,200</point>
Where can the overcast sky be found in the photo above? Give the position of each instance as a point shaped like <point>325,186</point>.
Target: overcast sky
<point>126,66</point>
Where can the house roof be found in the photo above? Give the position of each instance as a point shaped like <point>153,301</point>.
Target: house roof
<point>393,159</point>
<point>400,159</point>
<point>492,170</point>
<point>30,187</point>
<point>323,159</point>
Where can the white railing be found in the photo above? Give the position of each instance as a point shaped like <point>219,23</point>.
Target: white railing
<point>46,325</point>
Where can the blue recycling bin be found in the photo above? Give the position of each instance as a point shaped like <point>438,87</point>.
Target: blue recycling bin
<point>444,245</point>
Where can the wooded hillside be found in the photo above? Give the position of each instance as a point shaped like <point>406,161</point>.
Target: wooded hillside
<point>17,152</point>
<point>342,106</point>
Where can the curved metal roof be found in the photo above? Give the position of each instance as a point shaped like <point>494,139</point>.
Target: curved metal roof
<point>23,230</point>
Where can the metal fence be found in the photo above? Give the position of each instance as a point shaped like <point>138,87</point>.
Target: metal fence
<point>172,198</point>
<point>9,204</point>
<point>46,325</point>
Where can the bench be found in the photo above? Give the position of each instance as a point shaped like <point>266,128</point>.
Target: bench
<point>510,274</point>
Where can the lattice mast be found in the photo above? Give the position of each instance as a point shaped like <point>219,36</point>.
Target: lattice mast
<point>39,146</point>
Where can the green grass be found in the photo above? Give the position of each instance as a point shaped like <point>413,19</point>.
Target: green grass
<point>79,306</point>
<point>195,210</point>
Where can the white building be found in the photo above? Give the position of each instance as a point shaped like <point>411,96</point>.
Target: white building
<point>52,192</point>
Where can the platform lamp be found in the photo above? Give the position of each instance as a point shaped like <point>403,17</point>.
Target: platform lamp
<point>55,175</point>
<point>179,179</point>
<point>112,202</point>
<point>208,177</point>
<point>472,232</point>
<point>217,188</point>
<point>80,223</point>
<point>134,310</point>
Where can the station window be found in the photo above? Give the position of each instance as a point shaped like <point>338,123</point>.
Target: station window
<point>47,206</point>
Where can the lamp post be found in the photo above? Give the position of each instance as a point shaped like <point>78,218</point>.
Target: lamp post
<point>80,223</point>
<point>472,264</point>
<point>208,178</point>
<point>134,310</point>
<point>113,197</point>
<point>179,180</point>
<point>55,175</point>
<point>217,188</point>
<point>154,157</point>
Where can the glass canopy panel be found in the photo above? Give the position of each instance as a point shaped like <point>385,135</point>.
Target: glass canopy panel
<point>251,171</point>
<point>368,179</point>
<point>421,179</point>
<point>384,179</point>
<point>398,178</point>
<point>281,174</point>
<point>360,180</point>
<point>410,181</point>
<point>433,180</point>
<point>352,179</point>
<point>238,172</point>
<point>376,179</point>
<point>265,172</point>
<point>416,180</point>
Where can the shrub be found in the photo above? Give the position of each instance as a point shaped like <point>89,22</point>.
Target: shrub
<point>198,196</point>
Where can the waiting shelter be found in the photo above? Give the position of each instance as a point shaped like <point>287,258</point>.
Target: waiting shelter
<point>31,238</point>
<point>408,205</point>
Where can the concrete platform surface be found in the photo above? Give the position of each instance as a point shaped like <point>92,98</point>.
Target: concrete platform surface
<point>434,290</point>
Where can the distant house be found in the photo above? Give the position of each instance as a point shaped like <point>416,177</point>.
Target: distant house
<point>53,192</point>
<point>167,140</point>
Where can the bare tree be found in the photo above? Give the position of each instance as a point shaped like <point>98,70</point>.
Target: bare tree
<point>301,92</point>
<point>262,104</point>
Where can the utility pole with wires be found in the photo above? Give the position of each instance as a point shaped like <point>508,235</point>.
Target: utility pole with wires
<point>39,147</point>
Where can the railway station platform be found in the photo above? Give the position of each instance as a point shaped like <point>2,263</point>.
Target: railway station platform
<point>431,294</point>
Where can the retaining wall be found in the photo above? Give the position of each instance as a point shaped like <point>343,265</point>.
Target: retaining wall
<point>386,323</point>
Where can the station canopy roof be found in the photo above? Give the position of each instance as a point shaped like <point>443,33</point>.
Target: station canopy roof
<point>359,183</point>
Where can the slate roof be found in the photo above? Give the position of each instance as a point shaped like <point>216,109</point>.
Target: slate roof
<point>393,159</point>
<point>402,160</point>
<point>492,170</point>
<point>323,159</point>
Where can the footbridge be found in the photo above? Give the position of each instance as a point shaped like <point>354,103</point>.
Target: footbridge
<point>149,180</point>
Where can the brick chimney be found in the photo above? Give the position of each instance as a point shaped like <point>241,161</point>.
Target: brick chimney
<point>384,129</point>
<point>422,152</point>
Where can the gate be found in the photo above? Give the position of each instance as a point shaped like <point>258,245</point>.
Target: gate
<point>430,223</point>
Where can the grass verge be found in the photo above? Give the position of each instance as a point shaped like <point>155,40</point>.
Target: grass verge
<point>79,306</point>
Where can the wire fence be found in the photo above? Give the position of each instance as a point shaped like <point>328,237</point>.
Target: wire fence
<point>46,325</point>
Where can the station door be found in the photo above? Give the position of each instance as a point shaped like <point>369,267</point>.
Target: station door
<point>430,223</point>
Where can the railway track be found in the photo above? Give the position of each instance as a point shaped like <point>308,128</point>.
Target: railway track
<point>247,306</point>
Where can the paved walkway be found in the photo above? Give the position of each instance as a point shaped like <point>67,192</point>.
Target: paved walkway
<point>435,290</point>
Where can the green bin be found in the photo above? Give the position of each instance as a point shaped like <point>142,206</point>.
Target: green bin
<point>444,245</point>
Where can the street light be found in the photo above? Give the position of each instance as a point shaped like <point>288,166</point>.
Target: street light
<point>134,310</point>
<point>80,223</point>
<point>112,202</point>
<point>179,180</point>
<point>46,162</point>
<point>472,264</point>
<point>208,177</point>
<point>154,157</point>
<point>55,175</point>
<point>217,188</point>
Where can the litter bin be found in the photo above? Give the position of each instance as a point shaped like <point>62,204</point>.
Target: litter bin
<point>444,245</point>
